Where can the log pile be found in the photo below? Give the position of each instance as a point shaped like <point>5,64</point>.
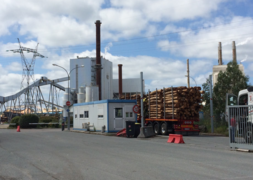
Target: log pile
<point>156,104</point>
<point>182,102</point>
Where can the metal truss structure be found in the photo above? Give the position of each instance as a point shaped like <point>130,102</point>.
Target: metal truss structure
<point>13,105</point>
<point>28,74</point>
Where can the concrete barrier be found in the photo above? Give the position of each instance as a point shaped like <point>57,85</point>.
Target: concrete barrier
<point>146,132</point>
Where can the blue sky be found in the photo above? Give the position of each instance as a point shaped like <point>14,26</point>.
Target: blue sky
<point>155,37</point>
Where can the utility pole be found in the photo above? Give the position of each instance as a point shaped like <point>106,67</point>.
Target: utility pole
<point>188,74</point>
<point>211,101</point>
<point>142,119</point>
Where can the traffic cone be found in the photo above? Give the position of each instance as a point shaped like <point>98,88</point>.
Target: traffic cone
<point>18,129</point>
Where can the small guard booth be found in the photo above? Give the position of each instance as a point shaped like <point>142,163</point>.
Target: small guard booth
<point>112,114</point>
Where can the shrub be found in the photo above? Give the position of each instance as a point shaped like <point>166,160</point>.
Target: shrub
<point>49,119</point>
<point>53,125</point>
<point>28,118</point>
<point>15,120</point>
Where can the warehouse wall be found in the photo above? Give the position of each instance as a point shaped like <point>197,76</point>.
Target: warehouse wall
<point>95,110</point>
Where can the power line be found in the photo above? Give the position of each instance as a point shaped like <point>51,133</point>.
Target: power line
<point>145,37</point>
<point>139,38</point>
<point>151,48</point>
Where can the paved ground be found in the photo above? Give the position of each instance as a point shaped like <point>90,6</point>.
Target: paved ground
<point>52,154</point>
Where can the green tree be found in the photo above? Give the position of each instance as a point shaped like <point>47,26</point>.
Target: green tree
<point>230,81</point>
<point>206,97</point>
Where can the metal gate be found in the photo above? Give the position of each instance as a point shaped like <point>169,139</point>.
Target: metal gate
<point>240,121</point>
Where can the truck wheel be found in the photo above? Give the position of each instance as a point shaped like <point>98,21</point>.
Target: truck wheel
<point>157,129</point>
<point>248,135</point>
<point>164,129</point>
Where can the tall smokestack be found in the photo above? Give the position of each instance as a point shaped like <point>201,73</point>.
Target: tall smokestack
<point>98,58</point>
<point>120,79</point>
<point>234,51</point>
<point>220,54</point>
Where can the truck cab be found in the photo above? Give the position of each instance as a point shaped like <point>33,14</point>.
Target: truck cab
<point>242,112</point>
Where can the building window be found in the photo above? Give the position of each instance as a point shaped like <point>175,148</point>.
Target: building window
<point>75,115</point>
<point>86,114</point>
<point>118,113</point>
<point>100,116</point>
<point>129,114</point>
<point>81,115</point>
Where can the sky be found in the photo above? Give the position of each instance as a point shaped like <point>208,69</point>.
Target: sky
<point>153,37</point>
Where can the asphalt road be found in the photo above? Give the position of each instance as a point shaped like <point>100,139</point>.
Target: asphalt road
<point>52,154</point>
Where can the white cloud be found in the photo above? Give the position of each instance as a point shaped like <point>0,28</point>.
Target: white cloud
<point>54,24</point>
<point>163,45</point>
<point>164,10</point>
<point>10,82</point>
<point>14,66</point>
<point>203,43</point>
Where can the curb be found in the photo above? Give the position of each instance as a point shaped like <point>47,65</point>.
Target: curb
<point>212,134</point>
<point>4,126</point>
<point>96,133</point>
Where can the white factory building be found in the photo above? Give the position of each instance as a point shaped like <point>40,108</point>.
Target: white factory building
<point>221,67</point>
<point>86,77</point>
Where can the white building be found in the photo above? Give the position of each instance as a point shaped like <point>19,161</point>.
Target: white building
<point>129,86</point>
<point>86,76</point>
<point>218,68</point>
<point>112,114</point>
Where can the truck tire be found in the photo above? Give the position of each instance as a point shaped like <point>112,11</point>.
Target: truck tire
<point>164,129</point>
<point>157,129</point>
<point>248,135</point>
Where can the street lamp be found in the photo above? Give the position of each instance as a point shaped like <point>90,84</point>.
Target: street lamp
<point>68,87</point>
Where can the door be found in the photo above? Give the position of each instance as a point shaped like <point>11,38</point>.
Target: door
<point>118,118</point>
<point>231,100</point>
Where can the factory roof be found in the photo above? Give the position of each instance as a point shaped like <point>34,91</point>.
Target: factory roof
<point>106,101</point>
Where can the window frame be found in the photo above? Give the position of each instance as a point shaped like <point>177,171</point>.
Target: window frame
<point>86,113</point>
<point>115,113</point>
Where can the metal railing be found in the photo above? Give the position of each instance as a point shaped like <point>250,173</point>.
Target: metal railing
<point>240,121</point>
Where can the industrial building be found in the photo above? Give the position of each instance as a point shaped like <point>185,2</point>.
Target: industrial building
<point>110,114</point>
<point>87,108</point>
<point>94,94</point>
<point>221,66</point>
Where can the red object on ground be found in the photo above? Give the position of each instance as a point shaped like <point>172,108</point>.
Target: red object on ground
<point>176,138</point>
<point>68,103</point>
<point>18,129</point>
<point>122,132</point>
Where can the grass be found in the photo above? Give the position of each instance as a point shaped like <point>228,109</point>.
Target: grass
<point>219,127</point>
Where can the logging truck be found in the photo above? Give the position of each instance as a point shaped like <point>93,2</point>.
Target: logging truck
<point>171,110</point>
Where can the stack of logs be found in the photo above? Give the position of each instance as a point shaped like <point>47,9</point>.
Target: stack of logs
<point>182,102</point>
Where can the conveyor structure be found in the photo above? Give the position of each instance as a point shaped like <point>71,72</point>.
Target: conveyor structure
<point>16,104</point>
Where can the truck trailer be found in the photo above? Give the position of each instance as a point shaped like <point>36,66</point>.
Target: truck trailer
<point>171,110</point>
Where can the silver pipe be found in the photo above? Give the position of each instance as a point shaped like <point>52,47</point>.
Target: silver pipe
<point>172,102</point>
<point>164,102</point>
<point>141,99</point>
<point>156,102</point>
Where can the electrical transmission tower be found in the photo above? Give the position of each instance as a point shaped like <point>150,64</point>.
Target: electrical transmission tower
<point>28,73</point>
